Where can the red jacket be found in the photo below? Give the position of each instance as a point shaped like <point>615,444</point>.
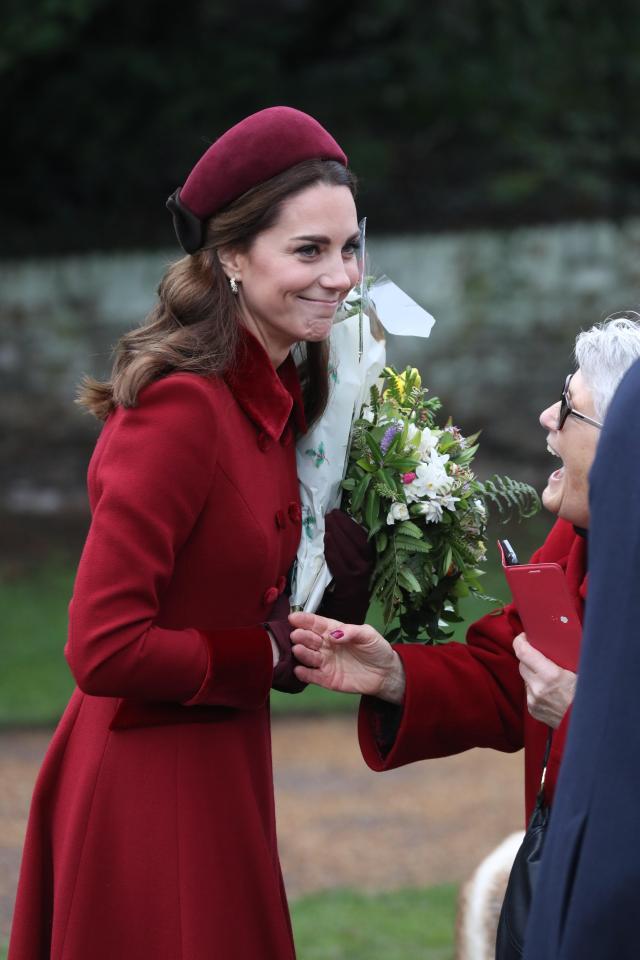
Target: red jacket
<point>152,830</point>
<point>460,696</point>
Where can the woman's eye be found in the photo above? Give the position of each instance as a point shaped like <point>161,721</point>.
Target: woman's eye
<point>309,250</point>
<point>352,249</point>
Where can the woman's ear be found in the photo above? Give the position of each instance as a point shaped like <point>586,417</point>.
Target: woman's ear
<point>231,260</point>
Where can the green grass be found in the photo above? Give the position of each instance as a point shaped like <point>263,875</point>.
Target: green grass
<point>35,682</point>
<point>346,925</point>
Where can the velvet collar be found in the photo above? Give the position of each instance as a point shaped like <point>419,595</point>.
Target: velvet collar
<point>267,396</point>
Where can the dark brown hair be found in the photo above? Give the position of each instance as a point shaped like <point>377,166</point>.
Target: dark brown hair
<point>195,323</point>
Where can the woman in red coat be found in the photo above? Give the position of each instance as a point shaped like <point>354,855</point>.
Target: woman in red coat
<point>496,690</point>
<point>152,828</point>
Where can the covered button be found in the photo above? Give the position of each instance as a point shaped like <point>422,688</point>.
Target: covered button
<point>281,584</point>
<point>270,596</point>
<point>295,513</point>
<point>281,520</point>
<point>264,441</point>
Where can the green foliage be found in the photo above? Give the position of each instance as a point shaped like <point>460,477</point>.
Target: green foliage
<point>452,114</point>
<point>510,496</point>
<point>410,484</point>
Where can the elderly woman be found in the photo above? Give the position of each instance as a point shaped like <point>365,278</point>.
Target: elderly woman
<point>152,833</point>
<point>496,690</point>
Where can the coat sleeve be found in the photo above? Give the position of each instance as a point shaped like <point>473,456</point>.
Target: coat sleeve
<point>149,482</point>
<point>457,696</point>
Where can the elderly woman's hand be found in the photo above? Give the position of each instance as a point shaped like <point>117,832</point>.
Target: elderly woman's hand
<point>345,657</point>
<point>550,689</point>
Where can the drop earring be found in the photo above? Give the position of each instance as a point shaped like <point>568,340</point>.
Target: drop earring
<point>233,283</point>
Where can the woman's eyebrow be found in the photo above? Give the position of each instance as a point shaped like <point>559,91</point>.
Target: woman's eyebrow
<point>319,238</point>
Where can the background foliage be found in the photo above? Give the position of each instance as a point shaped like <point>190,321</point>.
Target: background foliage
<point>453,113</point>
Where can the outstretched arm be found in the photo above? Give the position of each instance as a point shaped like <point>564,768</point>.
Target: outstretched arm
<point>346,657</point>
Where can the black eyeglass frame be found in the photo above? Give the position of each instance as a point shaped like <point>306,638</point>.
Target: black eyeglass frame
<point>566,410</point>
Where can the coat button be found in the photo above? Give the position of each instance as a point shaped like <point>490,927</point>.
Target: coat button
<point>281,584</point>
<point>281,520</point>
<point>270,596</point>
<point>264,442</point>
<point>295,513</point>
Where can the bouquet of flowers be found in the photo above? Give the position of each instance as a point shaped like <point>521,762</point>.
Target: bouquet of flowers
<point>410,483</point>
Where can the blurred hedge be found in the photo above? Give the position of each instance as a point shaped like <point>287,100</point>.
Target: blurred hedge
<point>454,112</point>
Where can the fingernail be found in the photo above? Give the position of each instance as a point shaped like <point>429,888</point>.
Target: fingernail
<point>336,634</point>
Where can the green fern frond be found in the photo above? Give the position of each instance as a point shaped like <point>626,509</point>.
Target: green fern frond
<point>510,496</point>
<point>412,545</point>
<point>462,552</point>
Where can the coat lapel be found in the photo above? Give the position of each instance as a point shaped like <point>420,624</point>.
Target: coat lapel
<point>267,396</point>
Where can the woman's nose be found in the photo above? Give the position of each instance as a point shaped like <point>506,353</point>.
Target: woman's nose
<point>339,277</point>
<point>549,417</point>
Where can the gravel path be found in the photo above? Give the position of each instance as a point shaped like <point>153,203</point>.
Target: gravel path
<point>339,824</point>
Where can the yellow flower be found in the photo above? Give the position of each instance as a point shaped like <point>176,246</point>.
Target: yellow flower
<point>417,379</point>
<point>400,381</point>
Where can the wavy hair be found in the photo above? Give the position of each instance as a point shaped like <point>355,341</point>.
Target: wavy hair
<point>605,352</point>
<point>194,326</point>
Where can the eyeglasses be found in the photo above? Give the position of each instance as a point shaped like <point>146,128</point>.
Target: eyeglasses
<point>567,410</point>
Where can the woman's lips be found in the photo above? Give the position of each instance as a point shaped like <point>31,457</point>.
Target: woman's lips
<point>556,475</point>
<point>326,303</point>
<point>559,473</point>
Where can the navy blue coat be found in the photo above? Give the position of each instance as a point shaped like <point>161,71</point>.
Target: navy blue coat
<point>587,902</point>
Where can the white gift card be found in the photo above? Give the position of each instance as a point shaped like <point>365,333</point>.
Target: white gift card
<point>398,313</point>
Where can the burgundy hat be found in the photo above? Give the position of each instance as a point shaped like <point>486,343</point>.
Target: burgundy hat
<point>256,149</point>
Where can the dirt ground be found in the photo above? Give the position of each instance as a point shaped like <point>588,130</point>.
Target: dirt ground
<point>339,824</point>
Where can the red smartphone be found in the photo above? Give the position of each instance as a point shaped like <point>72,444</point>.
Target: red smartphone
<point>545,606</point>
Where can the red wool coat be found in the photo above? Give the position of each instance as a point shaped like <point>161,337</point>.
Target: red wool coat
<point>460,696</point>
<point>152,829</point>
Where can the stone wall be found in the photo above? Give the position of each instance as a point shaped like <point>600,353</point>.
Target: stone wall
<point>508,305</point>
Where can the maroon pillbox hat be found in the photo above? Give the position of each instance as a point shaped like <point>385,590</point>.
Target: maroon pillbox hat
<point>252,152</point>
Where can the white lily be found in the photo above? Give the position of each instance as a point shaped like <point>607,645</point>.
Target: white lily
<point>431,479</point>
<point>398,511</point>
<point>431,510</point>
<point>427,440</point>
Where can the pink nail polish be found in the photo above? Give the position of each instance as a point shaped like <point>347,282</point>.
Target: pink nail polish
<point>336,634</point>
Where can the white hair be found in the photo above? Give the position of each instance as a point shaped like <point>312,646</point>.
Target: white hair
<point>605,352</point>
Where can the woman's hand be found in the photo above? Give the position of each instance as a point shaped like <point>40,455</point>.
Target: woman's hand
<point>550,689</point>
<point>345,657</point>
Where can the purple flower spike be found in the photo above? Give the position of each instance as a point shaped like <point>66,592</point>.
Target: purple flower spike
<point>387,439</point>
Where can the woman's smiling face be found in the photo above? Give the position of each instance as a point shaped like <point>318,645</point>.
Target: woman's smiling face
<point>567,490</point>
<point>295,274</point>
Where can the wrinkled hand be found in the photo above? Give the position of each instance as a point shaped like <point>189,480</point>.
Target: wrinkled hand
<point>346,657</point>
<point>550,689</point>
